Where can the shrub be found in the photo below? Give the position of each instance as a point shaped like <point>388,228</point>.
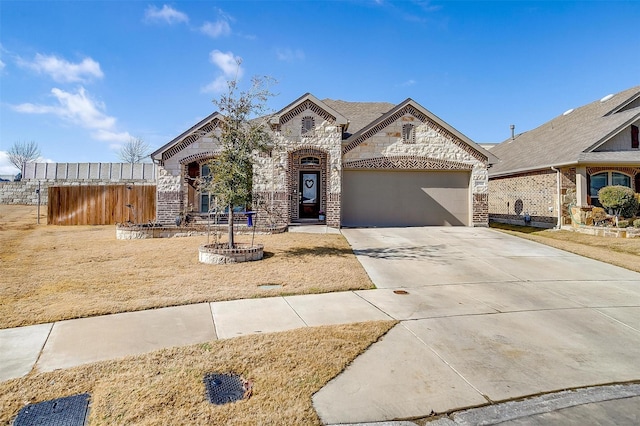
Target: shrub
<point>636,223</point>
<point>620,199</point>
<point>598,214</point>
<point>623,223</point>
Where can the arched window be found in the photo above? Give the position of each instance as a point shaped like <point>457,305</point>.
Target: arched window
<point>309,161</point>
<point>409,133</point>
<point>598,181</point>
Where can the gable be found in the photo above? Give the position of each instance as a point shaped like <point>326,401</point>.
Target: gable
<point>307,106</point>
<point>203,128</point>
<point>409,129</point>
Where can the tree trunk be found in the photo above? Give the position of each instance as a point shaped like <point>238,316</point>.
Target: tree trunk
<point>231,242</point>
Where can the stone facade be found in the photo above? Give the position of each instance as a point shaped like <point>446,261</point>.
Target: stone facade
<point>309,129</point>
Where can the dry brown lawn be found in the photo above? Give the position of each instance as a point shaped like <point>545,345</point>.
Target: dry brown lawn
<point>623,252</point>
<point>51,273</point>
<point>166,387</point>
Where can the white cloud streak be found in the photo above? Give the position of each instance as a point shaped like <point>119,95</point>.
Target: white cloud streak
<point>289,55</point>
<point>62,70</point>
<point>167,15</point>
<point>6,168</point>
<point>216,29</point>
<point>229,65</point>
<point>78,108</point>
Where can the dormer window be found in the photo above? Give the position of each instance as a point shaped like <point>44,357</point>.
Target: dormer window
<point>310,161</point>
<point>308,125</point>
<point>409,133</point>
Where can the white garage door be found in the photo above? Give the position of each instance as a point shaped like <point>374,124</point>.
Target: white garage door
<point>405,198</point>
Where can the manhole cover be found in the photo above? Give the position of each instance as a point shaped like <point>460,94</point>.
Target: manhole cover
<point>225,388</point>
<point>400,291</point>
<point>68,411</point>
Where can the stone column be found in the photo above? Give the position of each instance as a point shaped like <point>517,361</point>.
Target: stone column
<point>581,186</point>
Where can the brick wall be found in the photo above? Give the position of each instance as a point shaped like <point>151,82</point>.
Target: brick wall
<point>510,198</point>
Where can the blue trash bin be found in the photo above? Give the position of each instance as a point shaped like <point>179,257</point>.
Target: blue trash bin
<point>250,218</point>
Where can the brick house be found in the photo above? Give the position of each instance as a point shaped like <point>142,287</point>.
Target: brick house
<point>360,163</point>
<point>566,161</point>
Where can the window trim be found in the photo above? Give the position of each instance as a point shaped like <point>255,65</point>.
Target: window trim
<point>609,174</point>
<point>304,131</point>
<point>409,133</point>
<point>310,160</point>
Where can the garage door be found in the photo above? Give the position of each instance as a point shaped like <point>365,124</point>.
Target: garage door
<point>405,198</point>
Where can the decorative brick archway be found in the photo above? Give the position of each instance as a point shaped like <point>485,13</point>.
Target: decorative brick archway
<point>293,176</point>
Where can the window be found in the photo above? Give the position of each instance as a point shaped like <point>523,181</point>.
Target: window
<point>408,133</point>
<point>308,125</point>
<point>634,137</point>
<point>309,161</point>
<point>600,180</point>
<point>205,197</point>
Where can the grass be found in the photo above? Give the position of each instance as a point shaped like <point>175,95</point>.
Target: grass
<point>51,273</point>
<point>166,388</point>
<point>623,252</point>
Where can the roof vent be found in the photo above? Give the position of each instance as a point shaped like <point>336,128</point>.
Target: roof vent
<point>567,112</point>
<point>606,98</point>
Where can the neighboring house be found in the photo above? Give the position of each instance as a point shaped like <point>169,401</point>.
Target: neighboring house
<point>361,163</point>
<point>566,161</point>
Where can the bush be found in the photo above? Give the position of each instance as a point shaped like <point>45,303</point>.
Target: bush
<point>598,214</point>
<point>636,223</point>
<point>620,199</point>
<point>623,223</point>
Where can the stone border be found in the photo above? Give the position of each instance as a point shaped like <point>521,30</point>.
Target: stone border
<point>604,231</point>
<point>139,232</point>
<point>220,254</point>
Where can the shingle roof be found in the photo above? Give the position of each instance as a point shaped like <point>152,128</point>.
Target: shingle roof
<point>569,137</point>
<point>359,114</point>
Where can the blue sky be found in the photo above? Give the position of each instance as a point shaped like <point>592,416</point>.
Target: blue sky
<point>82,77</point>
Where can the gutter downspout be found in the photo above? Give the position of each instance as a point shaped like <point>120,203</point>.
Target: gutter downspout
<point>559,224</point>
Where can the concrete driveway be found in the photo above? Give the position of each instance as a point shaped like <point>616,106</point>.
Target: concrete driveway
<point>486,317</point>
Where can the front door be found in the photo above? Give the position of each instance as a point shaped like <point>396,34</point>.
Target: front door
<point>309,194</point>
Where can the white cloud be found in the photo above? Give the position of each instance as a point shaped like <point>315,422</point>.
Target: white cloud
<point>167,15</point>
<point>218,85</point>
<point>2,65</point>
<point>289,55</point>
<point>62,70</point>
<point>216,29</point>
<point>78,108</point>
<point>6,168</point>
<point>407,83</point>
<point>109,136</point>
<point>231,68</point>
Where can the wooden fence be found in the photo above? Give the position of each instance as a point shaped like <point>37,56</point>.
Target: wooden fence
<point>101,205</point>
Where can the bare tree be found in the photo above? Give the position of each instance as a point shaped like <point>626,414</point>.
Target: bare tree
<point>135,150</point>
<point>241,137</point>
<point>23,152</point>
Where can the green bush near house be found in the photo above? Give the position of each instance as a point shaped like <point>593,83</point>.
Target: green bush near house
<point>636,223</point>
<point>621,200</point>
<point>623,223</point>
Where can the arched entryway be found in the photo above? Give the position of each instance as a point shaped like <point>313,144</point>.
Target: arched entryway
<point>307,184</point>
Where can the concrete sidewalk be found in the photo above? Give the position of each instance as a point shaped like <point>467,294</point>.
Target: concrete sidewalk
<point>64,344</point>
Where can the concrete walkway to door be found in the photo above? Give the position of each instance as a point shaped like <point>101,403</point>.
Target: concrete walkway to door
<point>485,317</point>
